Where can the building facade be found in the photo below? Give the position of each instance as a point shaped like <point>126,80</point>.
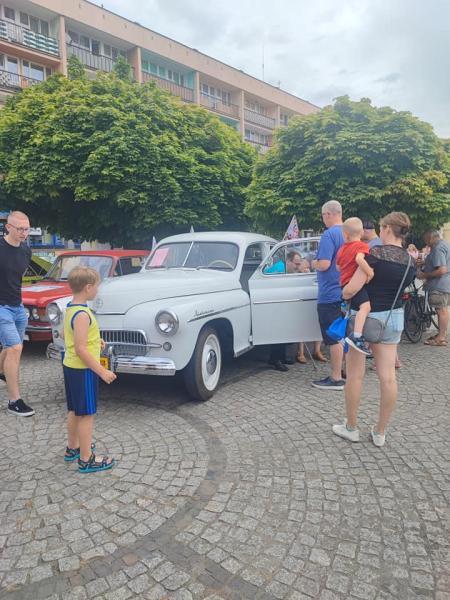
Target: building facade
<point>37,38</point>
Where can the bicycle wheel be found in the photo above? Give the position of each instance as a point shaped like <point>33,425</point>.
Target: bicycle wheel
<point>414,324</point>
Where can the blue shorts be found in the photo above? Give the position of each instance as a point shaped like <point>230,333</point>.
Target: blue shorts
<point>81,390</point>
<point>13,322</point>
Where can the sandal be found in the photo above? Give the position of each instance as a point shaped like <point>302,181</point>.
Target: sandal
<point>74,453</point>
<point>92,465</point>
<point>435,342</point>
<point>301,359</point>
<point>320,357</point>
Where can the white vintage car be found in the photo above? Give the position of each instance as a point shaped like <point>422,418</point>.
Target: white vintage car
<point>199,296</point>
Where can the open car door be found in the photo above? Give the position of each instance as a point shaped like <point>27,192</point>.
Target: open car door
<point>283,295</point>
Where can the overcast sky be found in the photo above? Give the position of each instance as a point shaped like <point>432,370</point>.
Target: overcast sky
<point>396,52</point>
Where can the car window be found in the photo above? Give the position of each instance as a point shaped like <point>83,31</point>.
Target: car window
<point>220,256</point>
<point>128,265</point>
<point>293,258</point>
<point>64,264</point>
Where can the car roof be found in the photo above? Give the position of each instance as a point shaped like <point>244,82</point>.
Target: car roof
<point>118,253</point>
<point>238,237</point>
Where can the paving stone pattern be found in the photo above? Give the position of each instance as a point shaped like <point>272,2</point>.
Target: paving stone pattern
<point>247,496</point>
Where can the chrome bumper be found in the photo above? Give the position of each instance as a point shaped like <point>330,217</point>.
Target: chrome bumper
<point>38,328</point>
<point>135,365</point>
<point>143,365</point>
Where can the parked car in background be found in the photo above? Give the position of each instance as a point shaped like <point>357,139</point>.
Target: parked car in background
<point>36,297</point>
<point>200,296</point>
<point>38,268</point>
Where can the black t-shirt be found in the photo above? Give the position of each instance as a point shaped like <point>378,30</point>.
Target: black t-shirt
<point>14,261</point>
<point>389,264</point>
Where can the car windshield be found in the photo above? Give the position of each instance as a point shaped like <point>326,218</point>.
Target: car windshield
<point>221,256</point>
<point>64,264</point>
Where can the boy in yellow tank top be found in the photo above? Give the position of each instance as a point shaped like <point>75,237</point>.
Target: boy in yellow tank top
<point>82,369</point>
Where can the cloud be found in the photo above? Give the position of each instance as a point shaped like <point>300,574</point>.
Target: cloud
<point>396,53</point>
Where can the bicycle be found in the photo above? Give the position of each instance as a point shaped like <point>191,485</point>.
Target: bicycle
<point>419,315</point>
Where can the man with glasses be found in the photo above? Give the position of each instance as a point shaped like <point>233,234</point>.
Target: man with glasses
<point>15,258</point>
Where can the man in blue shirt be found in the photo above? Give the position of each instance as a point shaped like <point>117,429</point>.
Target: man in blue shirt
<point>329,297</point>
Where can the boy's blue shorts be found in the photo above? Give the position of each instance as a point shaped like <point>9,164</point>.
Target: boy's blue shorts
<point>81,390</point>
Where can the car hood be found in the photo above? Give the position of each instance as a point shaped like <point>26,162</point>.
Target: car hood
<point>43,292</point>
<point>117,296</point>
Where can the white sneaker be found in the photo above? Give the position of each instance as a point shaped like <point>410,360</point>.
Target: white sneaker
<point>378,438</point>
<point>348,434</point>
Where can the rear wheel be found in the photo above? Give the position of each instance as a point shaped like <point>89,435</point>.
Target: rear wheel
<point>414,324</point>
<point>202,374</point>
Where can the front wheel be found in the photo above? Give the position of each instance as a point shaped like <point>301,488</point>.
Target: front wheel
<point>414,324</point>
<point>202,374</point>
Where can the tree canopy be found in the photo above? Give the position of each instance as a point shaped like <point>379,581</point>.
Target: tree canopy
<point>373,160</point>
<point>113,160</point>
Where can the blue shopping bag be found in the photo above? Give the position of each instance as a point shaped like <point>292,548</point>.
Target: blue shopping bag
<point>338,328</point>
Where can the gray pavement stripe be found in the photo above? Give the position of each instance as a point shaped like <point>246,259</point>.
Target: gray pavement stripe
<point>162,540</point>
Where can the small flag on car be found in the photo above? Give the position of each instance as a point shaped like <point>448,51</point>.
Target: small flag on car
<point>292,232</point>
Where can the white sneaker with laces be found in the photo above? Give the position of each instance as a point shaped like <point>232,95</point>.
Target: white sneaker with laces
<point>378,438</point>
<point>348,434</point>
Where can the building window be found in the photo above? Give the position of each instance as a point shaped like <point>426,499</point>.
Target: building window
<point>85,42</point>
<point>74,37</point>
<point>34,24</point>
<point>44,28</point>
<point>107,50</point>
<point>153,68</point>
<point>24,20</point>
<point>9,13</point>
<point>95,45</point>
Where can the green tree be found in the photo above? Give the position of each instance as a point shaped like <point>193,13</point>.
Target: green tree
<point>112,160</point>
<point>373,160</point>
<point>75,68</point>
<point>122,69</point>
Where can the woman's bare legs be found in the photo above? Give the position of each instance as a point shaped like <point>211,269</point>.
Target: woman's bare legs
<point>356,368</point>
<point>384,355</point>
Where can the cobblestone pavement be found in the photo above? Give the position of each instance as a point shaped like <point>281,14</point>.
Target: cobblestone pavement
<point>247,496</point>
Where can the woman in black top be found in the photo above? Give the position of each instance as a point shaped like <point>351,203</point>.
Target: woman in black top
<point>389,262</point>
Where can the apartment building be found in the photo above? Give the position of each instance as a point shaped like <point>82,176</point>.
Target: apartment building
<point>37,38</point>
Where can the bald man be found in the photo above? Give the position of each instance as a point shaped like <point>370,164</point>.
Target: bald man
<point>15,258</point>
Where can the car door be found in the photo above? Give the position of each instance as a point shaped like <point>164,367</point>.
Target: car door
<point>283,295</point>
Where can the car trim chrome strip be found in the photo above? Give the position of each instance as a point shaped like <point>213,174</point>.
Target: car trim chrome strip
<point>285,301</point>
<point>217,312</point>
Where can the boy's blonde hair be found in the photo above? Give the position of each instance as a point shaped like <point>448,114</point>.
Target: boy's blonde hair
<point>353,227</point>
<point>79,277</point>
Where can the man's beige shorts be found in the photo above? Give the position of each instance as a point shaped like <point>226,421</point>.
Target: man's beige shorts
<point>439,299</point>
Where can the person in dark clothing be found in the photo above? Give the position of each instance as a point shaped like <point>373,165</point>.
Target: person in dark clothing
<point>391,263</point>
<point>15,258</point>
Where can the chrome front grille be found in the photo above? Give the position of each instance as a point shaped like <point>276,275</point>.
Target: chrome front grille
<point>126,342</point>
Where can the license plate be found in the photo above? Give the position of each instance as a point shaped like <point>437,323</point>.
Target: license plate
<point>26,337</point>
<point>104,361</point>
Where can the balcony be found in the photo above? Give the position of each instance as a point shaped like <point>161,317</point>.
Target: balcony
<point>96,62</point>
<point>218,106</point>
<point>186,94</point>
<point>14,82</point>
<point>260,146</point>
<point>258,119</point>
<point>25,37</point>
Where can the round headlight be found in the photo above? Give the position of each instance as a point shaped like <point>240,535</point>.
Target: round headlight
<point>27,310</point>
<point>54,313</point>
<point>34,313</point>
<point>167,322</point>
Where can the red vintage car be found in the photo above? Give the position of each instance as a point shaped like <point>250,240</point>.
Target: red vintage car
<point>36,297</point>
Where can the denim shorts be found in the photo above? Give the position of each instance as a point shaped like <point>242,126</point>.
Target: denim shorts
<point>13,322</point>
<point>394,327</point>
